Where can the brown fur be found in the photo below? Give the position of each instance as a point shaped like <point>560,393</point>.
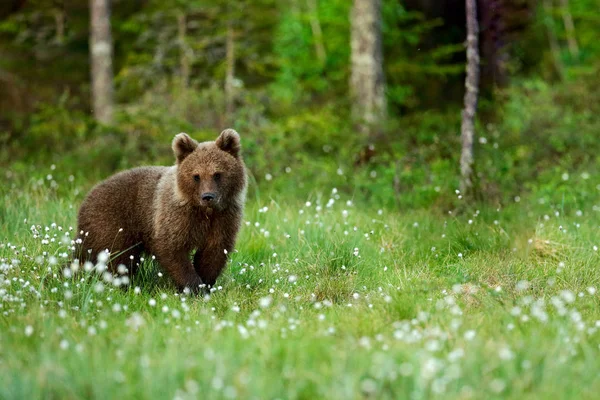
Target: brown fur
<point>161,211</point>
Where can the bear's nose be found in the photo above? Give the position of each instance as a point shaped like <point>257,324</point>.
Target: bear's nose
<point>208,196</point>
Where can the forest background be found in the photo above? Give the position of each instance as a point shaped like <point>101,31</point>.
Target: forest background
<point>279,71</point>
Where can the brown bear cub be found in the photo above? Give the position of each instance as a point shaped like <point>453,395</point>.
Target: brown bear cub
<point>195,205</point>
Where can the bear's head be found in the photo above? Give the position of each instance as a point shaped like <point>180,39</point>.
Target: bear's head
<point>210,174</point>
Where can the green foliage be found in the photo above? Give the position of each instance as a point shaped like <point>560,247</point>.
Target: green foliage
<point>543,134</point>
<point>301,76</point>
<point>411,64</point>
<point>540,133</point>
<point>54,129</point>
<point>585,22</point>
<point>166,34</point>
<point>57,128</point>
<point>292,108</point>
<point>300,71</point>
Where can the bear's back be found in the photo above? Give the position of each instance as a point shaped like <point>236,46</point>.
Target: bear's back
<point>122,205</point>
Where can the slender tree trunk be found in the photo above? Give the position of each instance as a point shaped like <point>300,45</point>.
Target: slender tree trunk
<point>367,84</point>
<point>295,7</point>
<point>315,26</point>
<point>552,40</point>
<point>230,74</point>
<point>471,91</point>
<point>101,59</point>
<point>569,28</point>
<point>492,16</point>
<point>185,67</point>
<point>59,20</point>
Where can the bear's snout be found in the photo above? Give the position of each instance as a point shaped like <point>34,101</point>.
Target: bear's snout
<point>208,197</point>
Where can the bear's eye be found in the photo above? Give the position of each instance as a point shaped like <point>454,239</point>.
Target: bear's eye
<point>197,178</point>
<point>217,177</point>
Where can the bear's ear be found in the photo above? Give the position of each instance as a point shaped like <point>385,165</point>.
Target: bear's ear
<point>229,141</point>
<point>183,145</point>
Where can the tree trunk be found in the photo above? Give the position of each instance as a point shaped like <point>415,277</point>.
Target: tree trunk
<point>59,20</point>
<point>184,51</point>
<point>315,26</point>
<point>569,28</point>
<point>552,40</point>
<point>230,74</point>
<point>471,91</point>
<point>101,60</point>
<point>367,84</point>
<point>493,40</point>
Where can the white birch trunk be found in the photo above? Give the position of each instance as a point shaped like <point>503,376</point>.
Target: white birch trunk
<point>367,84</point>
<point>471,92</point>
<point>101,60</point>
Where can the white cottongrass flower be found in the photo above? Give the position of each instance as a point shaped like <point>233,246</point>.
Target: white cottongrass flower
<point>103,257</point>
<point>567,296</point>
<point>135,321</point>
<point>505,354</point>
<point>265,302</point>
<point>369,387</point>
<point>497,385</point>
<point>243,331</point>
<point>456,354</point>
<point>430,368</point>
<point>522,285</point>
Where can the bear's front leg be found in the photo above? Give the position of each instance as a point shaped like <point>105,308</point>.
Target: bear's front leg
<point>210,261</point>
<point>181,270</point>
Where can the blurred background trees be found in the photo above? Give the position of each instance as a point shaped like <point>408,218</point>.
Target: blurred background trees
<point>302,81</point>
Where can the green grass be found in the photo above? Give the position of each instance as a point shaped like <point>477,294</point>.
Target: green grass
<point>491,303</point>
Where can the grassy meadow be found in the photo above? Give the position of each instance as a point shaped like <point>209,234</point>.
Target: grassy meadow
<point>327,297</point>
<point>360,272</point>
